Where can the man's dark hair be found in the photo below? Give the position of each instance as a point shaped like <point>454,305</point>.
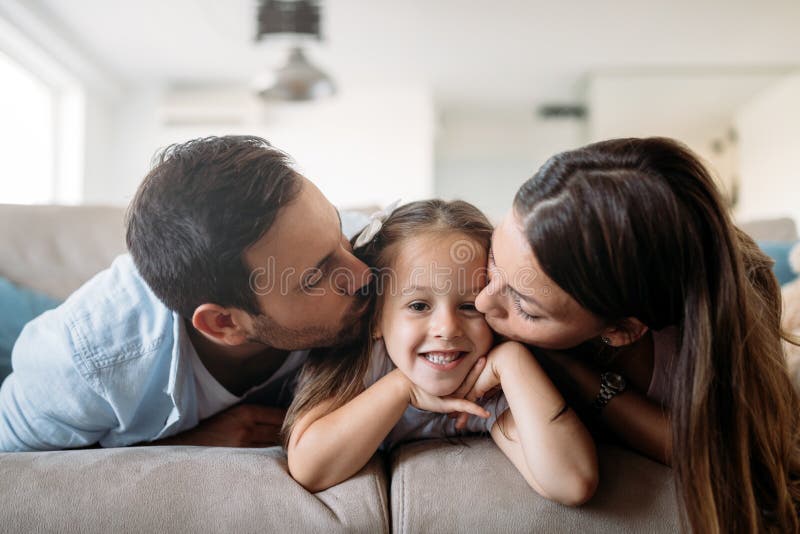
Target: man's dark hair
<point>200,207</point>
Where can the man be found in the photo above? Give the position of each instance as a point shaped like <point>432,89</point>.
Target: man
<point>238,265</point>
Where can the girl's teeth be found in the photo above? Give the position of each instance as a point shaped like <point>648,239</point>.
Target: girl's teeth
<point>440,358</point>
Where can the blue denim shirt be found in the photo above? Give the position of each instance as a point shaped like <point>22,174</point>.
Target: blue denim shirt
<point>111,365</point>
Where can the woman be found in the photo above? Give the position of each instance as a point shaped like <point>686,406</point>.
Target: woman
<point>625,246</point>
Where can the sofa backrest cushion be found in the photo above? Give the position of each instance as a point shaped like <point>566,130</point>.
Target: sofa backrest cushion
<point>55,249</point>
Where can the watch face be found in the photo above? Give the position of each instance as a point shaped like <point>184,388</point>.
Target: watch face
<point>614,381</point>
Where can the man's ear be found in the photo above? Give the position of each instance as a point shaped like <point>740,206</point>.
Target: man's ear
<point>626,332</point>
<point>222,325</point>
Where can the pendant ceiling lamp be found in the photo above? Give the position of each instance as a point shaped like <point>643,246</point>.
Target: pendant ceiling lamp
<point>299,79</point>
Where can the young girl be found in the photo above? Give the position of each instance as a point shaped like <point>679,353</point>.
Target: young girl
<point>425,337</point>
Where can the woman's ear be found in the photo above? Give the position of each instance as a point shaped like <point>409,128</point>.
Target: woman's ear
<point>626,332</point>
<point>219,324</point>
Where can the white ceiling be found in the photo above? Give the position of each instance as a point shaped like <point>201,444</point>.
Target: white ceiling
<point>470,52</point>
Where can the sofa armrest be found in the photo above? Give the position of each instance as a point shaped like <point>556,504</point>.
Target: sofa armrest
<point>472,487</point>
<point>181,489</point>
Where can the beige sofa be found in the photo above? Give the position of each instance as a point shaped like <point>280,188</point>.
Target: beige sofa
<point>427,486</point>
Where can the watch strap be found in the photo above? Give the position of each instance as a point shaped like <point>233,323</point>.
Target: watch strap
<point>607,392</point>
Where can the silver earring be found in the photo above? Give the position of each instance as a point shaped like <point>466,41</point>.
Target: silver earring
<point>605,340</point>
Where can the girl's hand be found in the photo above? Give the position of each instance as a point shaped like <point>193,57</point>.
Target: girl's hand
<point>470,379</point>
<point>424,401</point>
<point>489,379</point>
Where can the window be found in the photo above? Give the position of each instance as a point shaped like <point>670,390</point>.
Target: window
<point>27,136</point>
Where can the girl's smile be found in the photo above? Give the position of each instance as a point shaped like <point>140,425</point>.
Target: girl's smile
<point>443,360</point>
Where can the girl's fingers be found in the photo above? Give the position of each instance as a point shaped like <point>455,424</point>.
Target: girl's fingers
<point>470,379</point>
<point>484,383</point>
<point>467,407</point>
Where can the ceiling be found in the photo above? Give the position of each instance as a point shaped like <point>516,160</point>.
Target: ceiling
<point>470,52</point>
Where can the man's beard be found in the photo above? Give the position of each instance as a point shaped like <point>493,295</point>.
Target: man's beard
<point>268,332</point>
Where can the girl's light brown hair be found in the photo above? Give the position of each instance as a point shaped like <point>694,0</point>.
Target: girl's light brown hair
<point>337,373</point>
<point>637,228</point>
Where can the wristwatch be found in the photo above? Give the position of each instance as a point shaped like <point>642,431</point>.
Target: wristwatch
<point>611,385</point>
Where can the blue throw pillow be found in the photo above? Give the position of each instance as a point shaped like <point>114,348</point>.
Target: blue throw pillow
<point>779,251</point>
<point>18,305</point>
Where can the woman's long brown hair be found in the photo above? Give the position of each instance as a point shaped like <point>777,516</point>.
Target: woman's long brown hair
<point>337,374</point>
<point>637,228</point>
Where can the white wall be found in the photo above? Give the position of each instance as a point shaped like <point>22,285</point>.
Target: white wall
<point>695,107</point>
<point>365,147</point>
<point>484,156</point>
<point>769,152</point>
<point>128,147</point>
